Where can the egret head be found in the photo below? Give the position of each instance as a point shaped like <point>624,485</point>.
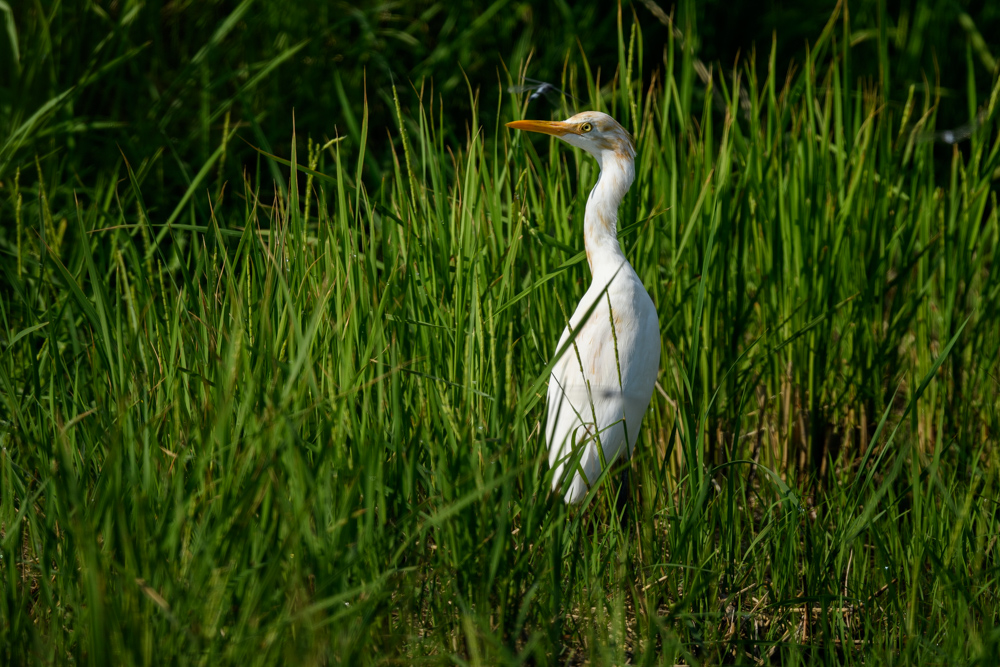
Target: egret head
<point>597,133</point>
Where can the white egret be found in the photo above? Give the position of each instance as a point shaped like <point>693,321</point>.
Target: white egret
<point>601,386</point>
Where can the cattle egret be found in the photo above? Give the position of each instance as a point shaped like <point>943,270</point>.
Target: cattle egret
<point>601,385</point>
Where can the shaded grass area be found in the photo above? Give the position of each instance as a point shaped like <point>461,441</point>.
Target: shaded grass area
<point>304,428</point>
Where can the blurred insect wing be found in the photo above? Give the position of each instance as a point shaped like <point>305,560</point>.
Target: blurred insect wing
<point>955,134</point>
<point>548,90</point>
<point>538,89</point>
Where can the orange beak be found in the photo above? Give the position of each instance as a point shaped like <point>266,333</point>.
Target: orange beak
<point>554,127</point>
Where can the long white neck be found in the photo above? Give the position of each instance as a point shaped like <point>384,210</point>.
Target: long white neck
<point>600,224</point>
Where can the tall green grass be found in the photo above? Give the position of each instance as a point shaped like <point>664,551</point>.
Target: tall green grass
<point>305,428</point>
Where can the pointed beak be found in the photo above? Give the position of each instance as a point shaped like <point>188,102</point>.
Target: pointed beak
<point>555,128</point>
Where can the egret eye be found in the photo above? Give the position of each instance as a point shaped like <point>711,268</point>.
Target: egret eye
<point>586,127</point>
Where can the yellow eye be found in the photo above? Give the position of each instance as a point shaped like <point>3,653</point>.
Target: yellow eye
<point>586,127</point>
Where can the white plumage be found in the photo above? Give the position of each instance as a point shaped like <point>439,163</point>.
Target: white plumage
<point>601,386</point>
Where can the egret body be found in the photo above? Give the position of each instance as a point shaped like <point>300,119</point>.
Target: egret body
<point>601,386</point>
